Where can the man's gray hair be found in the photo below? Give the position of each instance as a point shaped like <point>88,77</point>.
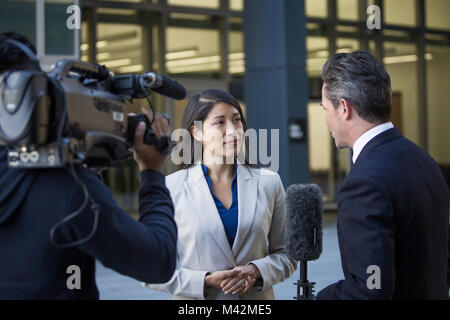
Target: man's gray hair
<point>361,80</point>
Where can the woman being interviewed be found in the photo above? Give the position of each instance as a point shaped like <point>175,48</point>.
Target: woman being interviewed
<point>230,215</point>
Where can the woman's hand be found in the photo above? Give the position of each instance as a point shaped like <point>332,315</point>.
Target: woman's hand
<point>243,282</point>
<point>238,285</point>
<point>216,278</point>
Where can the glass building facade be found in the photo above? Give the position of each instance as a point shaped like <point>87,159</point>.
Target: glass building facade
<point>201,44</point>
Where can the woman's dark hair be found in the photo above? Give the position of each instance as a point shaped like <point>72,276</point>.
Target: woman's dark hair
<point>198,109</point>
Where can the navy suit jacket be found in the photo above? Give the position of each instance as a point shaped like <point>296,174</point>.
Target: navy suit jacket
<point>393,213</point>
<point>33,202</point>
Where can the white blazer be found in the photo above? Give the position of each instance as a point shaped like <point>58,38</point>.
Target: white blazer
<point>202,242</point>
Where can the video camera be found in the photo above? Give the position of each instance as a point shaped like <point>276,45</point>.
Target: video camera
<point>76,113</point>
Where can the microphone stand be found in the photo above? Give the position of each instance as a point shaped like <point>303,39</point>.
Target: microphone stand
<point>305,289</point>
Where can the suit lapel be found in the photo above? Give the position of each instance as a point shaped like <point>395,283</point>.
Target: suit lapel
<point>205,206</point>
<point>247,195</point>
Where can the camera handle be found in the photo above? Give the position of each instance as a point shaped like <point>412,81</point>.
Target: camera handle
<point>64,66</point>
<point>163,144</point>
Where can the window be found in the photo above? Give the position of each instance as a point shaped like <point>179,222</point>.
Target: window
<point>438,78</point>
<point>319,147</point>
<point>319,138</point>
<point>237,5</point>
<point>437,14</point>
<point>316,8</point>
<point>84,56</point>
<point>346,45</point>
<point>192,51</point>
<point>236,56</point>
<point>401,63</point>
<point>19,16</point>
<point>400,12</point>
<point>119,47</point>
<point>317,48</point>
<point>59,40</point>
<point>348,10</point>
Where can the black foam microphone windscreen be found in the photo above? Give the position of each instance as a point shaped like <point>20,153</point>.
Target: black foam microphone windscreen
<point>170,88</point>
<point>304,222</point>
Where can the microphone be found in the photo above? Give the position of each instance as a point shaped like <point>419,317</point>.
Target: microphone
<point>164,85</point>
<point>304,222</point>
<point>304,231</point>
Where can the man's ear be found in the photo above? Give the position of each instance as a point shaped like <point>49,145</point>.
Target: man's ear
<point>345,109</point>
<point>196,133</point>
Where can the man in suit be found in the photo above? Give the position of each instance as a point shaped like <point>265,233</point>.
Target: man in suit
<point>393,207</point>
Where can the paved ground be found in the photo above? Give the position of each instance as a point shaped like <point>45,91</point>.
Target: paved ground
<point>326,270</point>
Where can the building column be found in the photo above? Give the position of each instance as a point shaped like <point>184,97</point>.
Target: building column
<point>276,83</point>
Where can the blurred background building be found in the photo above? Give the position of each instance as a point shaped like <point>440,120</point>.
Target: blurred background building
<point>210,43</point>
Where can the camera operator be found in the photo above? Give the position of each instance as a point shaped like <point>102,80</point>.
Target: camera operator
<point>33,202</point>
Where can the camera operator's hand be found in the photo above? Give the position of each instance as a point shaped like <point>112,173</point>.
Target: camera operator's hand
<point>146,156</point>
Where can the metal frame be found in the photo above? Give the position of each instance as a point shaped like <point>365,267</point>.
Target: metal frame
<point>162,6</point>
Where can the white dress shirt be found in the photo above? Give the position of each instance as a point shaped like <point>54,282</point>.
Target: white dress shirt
<point>367,136</point>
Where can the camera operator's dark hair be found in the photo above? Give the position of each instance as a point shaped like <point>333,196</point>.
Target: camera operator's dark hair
<point>12,57</point>
<point>198,109</point>
<point>361,80</point>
